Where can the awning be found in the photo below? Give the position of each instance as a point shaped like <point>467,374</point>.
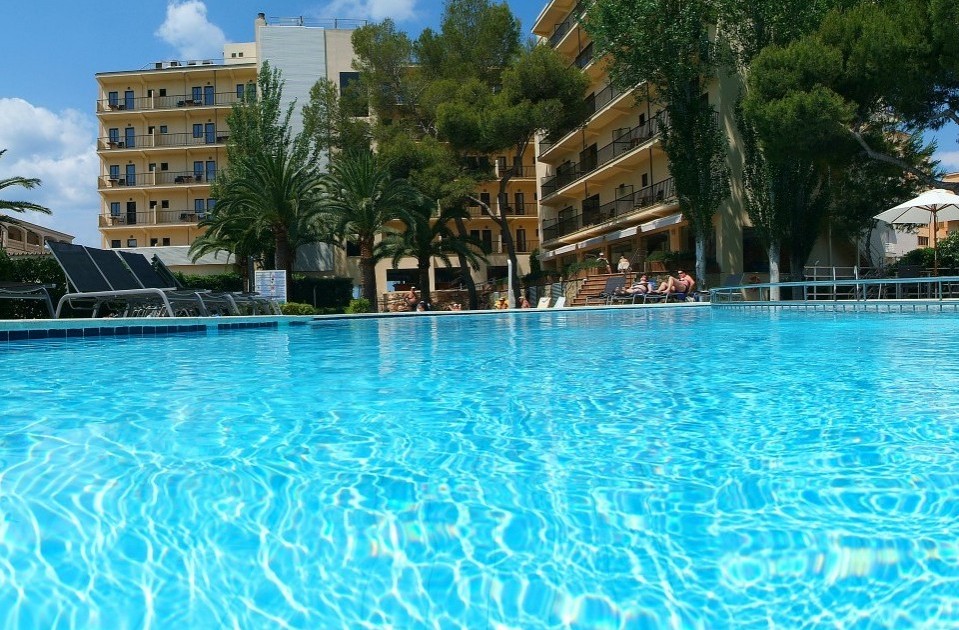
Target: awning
<point>656,224</point>
<point>590,242</point>
<point>565,249</point>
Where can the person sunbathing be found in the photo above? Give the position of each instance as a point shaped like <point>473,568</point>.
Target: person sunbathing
<point>682,284</point>
<point>641,287</point>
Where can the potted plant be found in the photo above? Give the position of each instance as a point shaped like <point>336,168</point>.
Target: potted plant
<point>661,260</point>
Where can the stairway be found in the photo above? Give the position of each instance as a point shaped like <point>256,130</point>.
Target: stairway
<point>594,285</point>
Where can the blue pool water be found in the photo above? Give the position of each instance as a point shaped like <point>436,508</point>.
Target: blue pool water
<point>609,469</point>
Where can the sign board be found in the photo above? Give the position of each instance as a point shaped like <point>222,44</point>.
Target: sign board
<point>271,283</point>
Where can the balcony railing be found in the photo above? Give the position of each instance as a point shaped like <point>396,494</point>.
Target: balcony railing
<point>163,140</point>
<point>585,57</point>
<point>156,178</point>
<point>514,210</point>
<point>594,103</point>
<point>589,216</point>
<point>144,103</point>
<point>152,217</point>
<point>524,171</point>
<point>524,246</point>
<point>624,143</point>
<point>566,25</point>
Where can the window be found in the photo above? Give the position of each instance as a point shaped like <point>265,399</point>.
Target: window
<point>153,205</point>
<point>166,241</point>
<point>151,130</point>
<point>165,203</point>
<point>209,131</point>
<point>131,242</point>
<point>484,197</point>
<point>115,172</point>
<point>520,202</point>
<point>162,91</point>
<point>198,130</point>
<point>210,204</point>
<point>153,242</point>
<point>115,244</point>
<point>131,212</point>
<point>128,99</point>
<point>351,92</point>
<point>129,136</point>
<point>923,241</point>
<point>113,99</point>
<point>197,94</point>
<point>521,240</point>
<point>209,96</point>
<point>210,170</point>
<point>198,170</point>
<point>131,174</point>
<point>150,93</point>
<point>239,88</point>
<point>113,135</point>
<point>164,166</point>
<point>163,128</point>
<point>645,180</point>
<point>114,208</point>
<point>152,166</point>
<point>198,206</point>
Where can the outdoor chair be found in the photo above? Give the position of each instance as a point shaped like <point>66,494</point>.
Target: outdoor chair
<point>560,302</point>
<point>907,290</point>
<point>92,288</point>
<point>147,276</point>
<point>258,304</point>
<point>612,285</point>
<point>543,302</point>
<point>27,291</point>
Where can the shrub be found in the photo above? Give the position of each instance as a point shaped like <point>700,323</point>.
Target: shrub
<point>215,282</point>
<point>360,305</point>
<point>296,308</point>
<point>42,268</point>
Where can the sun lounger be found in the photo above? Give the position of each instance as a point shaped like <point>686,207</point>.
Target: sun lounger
<point>560,302</point>
<point>612,285</point>
<point>27,291</point>
<point>146,275</point>
<point>99,276</point>
<point>258,304</point>
<point>543,302</point>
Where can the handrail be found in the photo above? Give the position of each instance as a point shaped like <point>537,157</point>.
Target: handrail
<point>860,292</point>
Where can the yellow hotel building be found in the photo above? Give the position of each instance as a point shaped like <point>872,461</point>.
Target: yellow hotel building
<point>605,187</point>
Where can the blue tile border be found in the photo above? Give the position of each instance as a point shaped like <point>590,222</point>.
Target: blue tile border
<point>33,330</point>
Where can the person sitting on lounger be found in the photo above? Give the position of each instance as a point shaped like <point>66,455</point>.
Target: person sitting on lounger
<point>642,286</point>
<point>412,300</point>
<point>682,284</point>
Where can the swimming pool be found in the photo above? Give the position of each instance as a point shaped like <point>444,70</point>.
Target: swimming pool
<point>615,468</point>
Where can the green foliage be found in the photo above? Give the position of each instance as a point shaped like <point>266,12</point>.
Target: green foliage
<point>924,257</point>
<point>323,293</point>
<point>23,182</point>
<point>296,308</point>
<point>590,263</point>
<point>40,268</point>
<point>215,282</point>
<point>330,119</point>
<point>359,305</point>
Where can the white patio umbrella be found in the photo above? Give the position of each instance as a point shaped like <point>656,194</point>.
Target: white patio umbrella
<point>931,206</point>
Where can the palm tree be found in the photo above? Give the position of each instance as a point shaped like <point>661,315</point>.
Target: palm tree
<point>20,206</point>
<point>274,195</point>
<point>427,236</point>
<point>363,198</point>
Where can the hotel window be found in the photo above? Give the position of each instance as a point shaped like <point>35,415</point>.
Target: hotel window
<point>163,128</point>
<point>198,130</point>
<point>923,241</point>
<point>114,208</point>
<point>197,94</point>
<point>153,205</point>
<point>131,242</point>
<point>115,244</point>
<point>165,203</point>
<point>239,90</point>
<point>166,241</point>
<point>153,242</point>
<point>114,172</point>
<point>113,99</point>
<point>113,135</point>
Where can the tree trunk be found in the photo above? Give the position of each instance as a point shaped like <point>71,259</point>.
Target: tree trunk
<point>773,253</point>
<point>368,269</point>
<point>508,243</point>
<point>465,270</point>
<point>423,271</point>
<point>701,260</point>
<point>281,257</point>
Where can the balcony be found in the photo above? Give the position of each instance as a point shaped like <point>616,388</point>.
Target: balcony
<point>180,101</point>
<point>595,103</point>
<point>624,143</point>
<point>155,178</point>
<point>648,197</point>
<point>152,217</point>
<point>561,30</point>
<point>585,57</point>
<point>165,140</point>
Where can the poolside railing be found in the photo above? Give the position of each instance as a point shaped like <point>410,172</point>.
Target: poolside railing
<point>937,288</point>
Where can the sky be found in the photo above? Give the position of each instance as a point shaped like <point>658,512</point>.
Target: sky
<point>54,48</point>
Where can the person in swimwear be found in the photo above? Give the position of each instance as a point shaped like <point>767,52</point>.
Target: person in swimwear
<point>681,284</point>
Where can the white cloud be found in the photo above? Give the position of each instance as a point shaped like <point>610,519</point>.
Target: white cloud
<point>60,149</point>
<point>187,29</point>
<point>949,160</point>
<point>397,10</point>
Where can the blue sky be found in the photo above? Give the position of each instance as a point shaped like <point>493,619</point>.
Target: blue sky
<point>47,96</point>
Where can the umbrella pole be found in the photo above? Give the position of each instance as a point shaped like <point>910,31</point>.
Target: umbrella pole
<point>935,246</point>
